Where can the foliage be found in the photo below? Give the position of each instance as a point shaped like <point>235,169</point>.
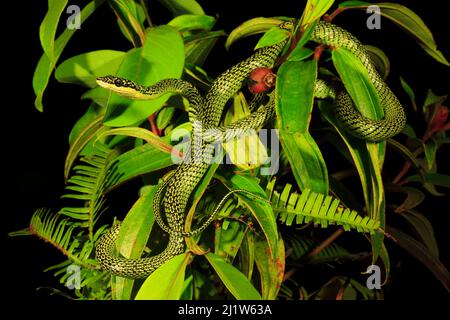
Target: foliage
<point>119,139</point>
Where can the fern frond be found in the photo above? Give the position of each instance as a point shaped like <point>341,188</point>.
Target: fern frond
<point>58,232</point>
<point>316,208</point>
<point>302,246</point>
<point>87,184</point>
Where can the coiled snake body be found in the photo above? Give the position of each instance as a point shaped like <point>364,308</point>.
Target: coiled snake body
<point>205,113</point>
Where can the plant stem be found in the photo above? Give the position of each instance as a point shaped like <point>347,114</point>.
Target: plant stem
<point>318,52</point>
<point>331,16</point>
<point>289,274</point>
<point>147,16</point>
<point>397,180</point>
<point>326,243</point>
<point>152,120</point>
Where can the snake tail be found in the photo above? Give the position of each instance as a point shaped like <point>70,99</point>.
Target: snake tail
<point>132,268</point>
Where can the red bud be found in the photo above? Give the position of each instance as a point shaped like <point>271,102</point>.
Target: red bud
<point>261,80</point>
<point>439,119</point>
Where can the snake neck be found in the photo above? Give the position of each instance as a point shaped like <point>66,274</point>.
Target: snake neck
<point>229,82</point>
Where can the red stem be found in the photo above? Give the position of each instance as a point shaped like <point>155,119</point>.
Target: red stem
<point>155,129</point>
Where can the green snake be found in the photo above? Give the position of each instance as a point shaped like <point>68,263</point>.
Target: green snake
<point>205,113</point>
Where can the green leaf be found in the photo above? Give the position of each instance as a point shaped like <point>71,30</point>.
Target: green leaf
<point>314,10</point>
<point>307,162</point>
<point>410,92</point>
<point>140,133</point>
<point>271,270</point>
<point>83,69</point>
<point>130,17</point>
<point>247,255</point>
<point>166,282</point>
<point>179,7</point>
<point>430,148</point>
<point>377,202</point>
<point>140,160</point>
<point>407,20</point>
<point>83,138</point>
<point>437,179</point>
<point>431,100</point>
<point>407,155</point>
<point>273,36</point>
<point>161,57</point>
<point>295,96</point>
<point>353,3</point>
<point>301,54</point>
<point>251,27</point>
<point>414,197</point>
<point>298,52</point>
<point>47,30</point>
<point>94,111</point>
<point>408,130</point>
<point>164,117</point>
<point>261,210</point>
<point>46,64</point>
<point>238,284</point>
<point>188,286</point>
<point>133,237</point>
<point>424,229</point>
<point>357,82</point>
<point>421,253</point>
<point>380,60</point>
<point>188,22</point>
<point>414,25</point>
<point>227,242</point>
<point>367,159</point>
<point>198,47</point>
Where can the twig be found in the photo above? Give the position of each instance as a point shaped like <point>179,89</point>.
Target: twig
<point>155,129</point>
<point>331,16</point>
<point>289,274</point>
<point>326,243</point>
<point>147,16</point>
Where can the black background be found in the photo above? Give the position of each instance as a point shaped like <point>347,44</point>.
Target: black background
<point>36,143</point>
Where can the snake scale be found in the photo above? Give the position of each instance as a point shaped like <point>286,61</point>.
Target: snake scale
<point>205,113</point>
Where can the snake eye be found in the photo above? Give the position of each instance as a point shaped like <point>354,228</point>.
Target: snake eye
<point>118,82</point>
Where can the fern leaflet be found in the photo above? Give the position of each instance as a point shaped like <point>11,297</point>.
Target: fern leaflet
<point>87,184</point>
<point>316,208</point>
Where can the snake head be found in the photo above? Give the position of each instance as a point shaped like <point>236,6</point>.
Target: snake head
<point>119,85</point>
<point>107,81</point>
